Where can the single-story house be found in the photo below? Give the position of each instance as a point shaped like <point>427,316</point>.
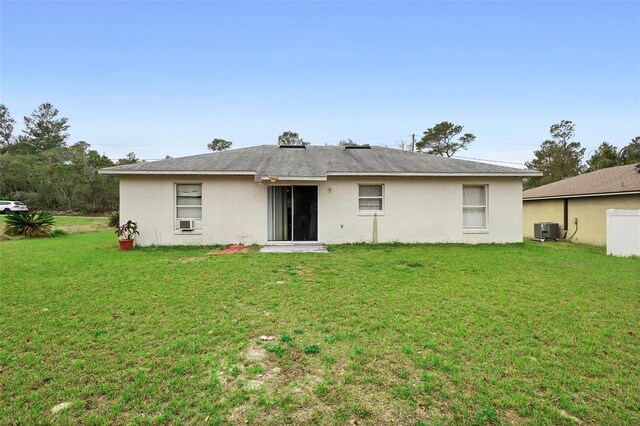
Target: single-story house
<point>328,194</point>
<point>585,199</point>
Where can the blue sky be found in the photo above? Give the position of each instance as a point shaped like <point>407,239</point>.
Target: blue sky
<point>164,78</point>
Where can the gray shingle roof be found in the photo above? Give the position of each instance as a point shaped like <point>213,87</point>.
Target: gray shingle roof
<point>316,162</point>
<point>612,180</point>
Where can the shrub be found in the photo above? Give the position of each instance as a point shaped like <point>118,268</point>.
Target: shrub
<point>29,224</point>
<point>114,219</point>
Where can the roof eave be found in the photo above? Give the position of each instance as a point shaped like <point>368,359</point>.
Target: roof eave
<point>175,172</point>
<point>120,172</point>
<point>418,174</point>
<point>595,194</point>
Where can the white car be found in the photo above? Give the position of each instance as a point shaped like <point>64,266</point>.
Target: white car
<point>7,207</point>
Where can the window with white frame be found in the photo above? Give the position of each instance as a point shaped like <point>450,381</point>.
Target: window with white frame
<point>370,198</point>
<point>474,207</point>
<point>189,202</point>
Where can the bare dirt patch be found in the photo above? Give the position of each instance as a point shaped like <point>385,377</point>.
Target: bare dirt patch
<point>229,250</point>
<point>268,376</point>
<point>232,250</point>
<point>256,353</point>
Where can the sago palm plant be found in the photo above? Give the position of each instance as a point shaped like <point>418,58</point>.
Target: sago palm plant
<point>29,224</point>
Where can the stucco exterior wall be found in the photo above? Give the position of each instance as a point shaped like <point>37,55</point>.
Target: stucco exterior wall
<point>418,210</point>
<point>590,211</point>
<point>234,210</point>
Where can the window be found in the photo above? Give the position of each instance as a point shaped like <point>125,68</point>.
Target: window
<point>370,198</point>
<point>474,207</point>
<point>189,202</point>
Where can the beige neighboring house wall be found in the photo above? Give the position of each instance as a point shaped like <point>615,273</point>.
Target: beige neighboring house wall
<point>541,211</point>
<point>590,211</point>
<point>586,197</point>
<point>234,210</point>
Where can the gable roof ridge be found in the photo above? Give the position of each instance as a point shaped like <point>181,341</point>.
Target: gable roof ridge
<point>317,161</point>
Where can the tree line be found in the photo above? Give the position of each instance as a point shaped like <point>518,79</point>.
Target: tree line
<point>40,168</point>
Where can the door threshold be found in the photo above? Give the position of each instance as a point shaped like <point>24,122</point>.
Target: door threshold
<point>294,248</point>
<point>292,243</point>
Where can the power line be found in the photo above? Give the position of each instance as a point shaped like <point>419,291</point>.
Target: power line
<point>492,161</point>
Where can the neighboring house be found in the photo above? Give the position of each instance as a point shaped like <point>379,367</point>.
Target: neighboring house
<point>585,197</point>
<point>329,194</point>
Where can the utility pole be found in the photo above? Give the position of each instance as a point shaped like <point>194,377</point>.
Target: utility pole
<point>413,142</point>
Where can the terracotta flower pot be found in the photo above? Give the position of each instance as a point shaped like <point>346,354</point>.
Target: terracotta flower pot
<point>125,244</point>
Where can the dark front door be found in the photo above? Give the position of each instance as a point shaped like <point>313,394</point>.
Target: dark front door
<point>305,213</point>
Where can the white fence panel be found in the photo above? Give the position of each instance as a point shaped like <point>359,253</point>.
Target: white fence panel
<point>623,232</point>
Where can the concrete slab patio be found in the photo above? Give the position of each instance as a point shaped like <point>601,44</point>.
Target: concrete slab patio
<point>294,248</point>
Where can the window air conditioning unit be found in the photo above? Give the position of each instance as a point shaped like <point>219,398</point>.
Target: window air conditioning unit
<point>545,231</point>
<point>186,225</point>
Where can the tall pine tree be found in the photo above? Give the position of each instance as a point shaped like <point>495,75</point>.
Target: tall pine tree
<point>43,130</point>
<point>558,158</point>
<point>438,140</point>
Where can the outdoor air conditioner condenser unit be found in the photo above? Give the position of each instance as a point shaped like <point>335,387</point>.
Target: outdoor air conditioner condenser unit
<point>545,231</point>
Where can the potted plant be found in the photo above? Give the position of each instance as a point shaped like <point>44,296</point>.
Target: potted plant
<point>126,234</point>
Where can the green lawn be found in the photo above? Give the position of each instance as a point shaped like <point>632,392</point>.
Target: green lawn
<point>425,334</point>
<point>62,221</point>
